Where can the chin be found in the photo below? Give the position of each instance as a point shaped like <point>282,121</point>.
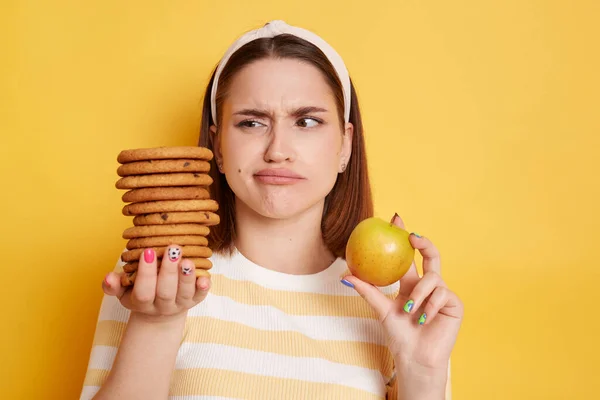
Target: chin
<point>282,201</point>
<point>281,207</point>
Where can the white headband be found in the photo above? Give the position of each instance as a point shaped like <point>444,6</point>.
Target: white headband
<point>275,28</point>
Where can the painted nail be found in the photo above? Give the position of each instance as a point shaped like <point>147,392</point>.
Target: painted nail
<point>203,284</point>
<point>422,319</point>
<point>186,269</point>
<point>174,253</point>
<point>106,280</point>
<point>416,234</point>
<point>409,305</point>
<point>149,255</point>
<point>345,282</point>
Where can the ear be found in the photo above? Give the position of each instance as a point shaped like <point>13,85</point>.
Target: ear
<point>216,141</point>
<point>346,150</point>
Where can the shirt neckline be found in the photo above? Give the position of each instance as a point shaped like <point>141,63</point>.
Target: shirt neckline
<point>276,279</point>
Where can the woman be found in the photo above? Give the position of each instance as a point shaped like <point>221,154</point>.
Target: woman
<point>280,317</point>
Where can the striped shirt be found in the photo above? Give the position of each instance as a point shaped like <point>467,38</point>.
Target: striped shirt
<point>261,333</point>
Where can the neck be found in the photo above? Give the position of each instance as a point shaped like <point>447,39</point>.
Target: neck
<point>293,246</point>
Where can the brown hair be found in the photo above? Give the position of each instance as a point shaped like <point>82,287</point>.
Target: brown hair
<point>348,203</point>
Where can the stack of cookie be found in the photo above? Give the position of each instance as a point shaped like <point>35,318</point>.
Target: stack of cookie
<point>169,199</point>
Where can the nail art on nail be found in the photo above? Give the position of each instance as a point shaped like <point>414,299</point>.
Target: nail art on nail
<point>186,269</point>
<point>149,255</point>
<point>174,253</point>
<point>409,305</point>
<point>422,319</point>
<point>416,234</point>
<point>345,282</point>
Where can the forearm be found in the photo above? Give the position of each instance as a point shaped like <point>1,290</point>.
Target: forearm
<point>415,383</point>
<point>145,360</point>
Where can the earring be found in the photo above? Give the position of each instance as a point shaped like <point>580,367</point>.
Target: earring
<point>343,167</point>
<point>220,166</point>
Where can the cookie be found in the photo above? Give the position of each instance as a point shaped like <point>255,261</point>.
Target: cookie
<point>164,180</point>
<point>202,272</point>
<point>165,193</point>
<point>156,241</point>
<point>193,217</point>
<point>199,262</point>
<point>163,167</point>
<point>128,279</point>
<point>186,251</point>
<point>165,230</point>
<point>163,153</point>
<point>161,206</point>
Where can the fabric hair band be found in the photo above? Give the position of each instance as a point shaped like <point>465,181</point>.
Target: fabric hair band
<point>275,28</point>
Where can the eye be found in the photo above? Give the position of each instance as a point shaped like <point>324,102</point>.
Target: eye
<point>308,122</point>
<point>249,124</point>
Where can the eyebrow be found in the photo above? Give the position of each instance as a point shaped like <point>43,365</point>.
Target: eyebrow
<point>258,113</point>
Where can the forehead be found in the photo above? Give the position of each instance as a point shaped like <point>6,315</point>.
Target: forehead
<point>276,82</point>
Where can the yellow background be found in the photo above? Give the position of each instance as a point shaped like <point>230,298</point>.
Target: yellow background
<point>482,131</point>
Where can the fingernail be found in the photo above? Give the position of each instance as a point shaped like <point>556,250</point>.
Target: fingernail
<point>409,305</point>
<point>394,218</point>
<point>416,234</point>
<point>422,319</point>
<point>149,255</point>
<point>186,269</point>
<point>203,284</point>
<point>349,284</point>
<point>174,253</point>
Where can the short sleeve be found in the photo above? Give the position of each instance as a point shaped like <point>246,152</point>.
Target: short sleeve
<point>110,326</point>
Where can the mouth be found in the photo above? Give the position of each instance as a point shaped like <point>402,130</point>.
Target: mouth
<point>278,176</point>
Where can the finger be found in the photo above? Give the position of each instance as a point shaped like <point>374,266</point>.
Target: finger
<point>396,220</point>
<point>430,253</point>
<point>422,290</point>
<point>111,285</point>
<point>203,284</point>
<point>187,283</point>
<point>436,301</point>
<point>168,278</point>
<point>144,290</point>
<point>409,280</point>
<point>372,295</point>
<point>411,277</point>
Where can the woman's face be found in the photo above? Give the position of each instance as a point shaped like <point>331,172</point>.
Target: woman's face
<point>280,140</point>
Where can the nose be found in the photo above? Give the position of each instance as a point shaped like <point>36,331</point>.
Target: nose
<point>280,147</point>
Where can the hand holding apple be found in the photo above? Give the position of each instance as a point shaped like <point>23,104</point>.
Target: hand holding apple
<point>423,321</point>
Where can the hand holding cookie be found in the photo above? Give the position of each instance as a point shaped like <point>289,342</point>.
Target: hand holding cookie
<point>168,289</point>
<point>169,199</point>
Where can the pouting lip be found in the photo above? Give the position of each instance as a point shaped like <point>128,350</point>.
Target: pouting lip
<point>279,172</point>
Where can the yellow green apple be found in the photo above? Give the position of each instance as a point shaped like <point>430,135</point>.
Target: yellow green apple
<point>379,252</point>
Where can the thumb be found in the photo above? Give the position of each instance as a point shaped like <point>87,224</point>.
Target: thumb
<point>372,295</point>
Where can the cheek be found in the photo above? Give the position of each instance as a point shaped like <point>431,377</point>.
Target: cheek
<point>238,153</point>
<point>324,154</point>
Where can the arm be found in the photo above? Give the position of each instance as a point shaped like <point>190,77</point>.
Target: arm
<point>414,385</point>
<point>151,317</point>
<point>145,360</point>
